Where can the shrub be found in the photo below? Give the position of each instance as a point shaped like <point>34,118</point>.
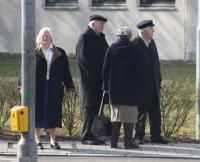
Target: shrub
<point>71,113</point>
<point>9,97</point>
<point>177,101</point>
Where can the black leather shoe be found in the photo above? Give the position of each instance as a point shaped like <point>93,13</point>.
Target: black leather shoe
<point>55,146</point>
<point>160,140</point>
<point>40,146</point>
<point>93,142</point>
<point>139,141</point>
<point>113,145</point>
<point>99,141</point>
<point>131,145</point>
<point>88,142</point>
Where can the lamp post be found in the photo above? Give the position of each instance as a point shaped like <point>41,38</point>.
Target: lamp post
<point>198,76</point>
<point>27,150</point>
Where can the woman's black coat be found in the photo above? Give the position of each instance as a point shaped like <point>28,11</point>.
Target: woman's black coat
<point>60,76</point>
<point>91,49</point>
<point>122,74</point>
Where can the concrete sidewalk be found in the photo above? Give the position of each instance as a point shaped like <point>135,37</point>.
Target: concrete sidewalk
<point>75,148</point>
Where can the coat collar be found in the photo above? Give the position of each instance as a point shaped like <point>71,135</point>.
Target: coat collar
<point>141,42</point>
<point>92,32</point>
<point>124,41</point>
<point>56,52</point>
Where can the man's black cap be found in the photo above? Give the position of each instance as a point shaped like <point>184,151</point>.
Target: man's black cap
<point>144,24</point>
<point>97,17</point>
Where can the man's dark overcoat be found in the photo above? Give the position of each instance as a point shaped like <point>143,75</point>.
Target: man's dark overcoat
<point>122,74</point>
<point>143,51</point>
<point>60,76</point>
<point>91,49</point>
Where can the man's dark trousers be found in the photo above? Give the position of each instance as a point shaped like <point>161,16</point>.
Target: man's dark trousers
<point>88,119</point>
<point>153,110</point>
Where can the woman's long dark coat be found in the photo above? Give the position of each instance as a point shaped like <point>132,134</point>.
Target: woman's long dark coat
<point>91,49</point>
<point>60,76</point>
<point>122,74</point>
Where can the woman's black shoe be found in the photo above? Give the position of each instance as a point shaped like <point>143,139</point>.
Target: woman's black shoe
<point>40,146</point>
<point>55,146</point>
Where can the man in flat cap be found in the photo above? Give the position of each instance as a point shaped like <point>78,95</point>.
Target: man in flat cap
<point>151,90</point>
<point>90,50</point>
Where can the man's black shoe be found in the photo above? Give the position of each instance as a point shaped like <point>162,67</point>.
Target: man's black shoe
<point>131,145</point>
<point>161,141</point>
<point>113,145</point>
<point>93,142</point>
<point>99,141</point>
<point>87,142</point>
<point>139,141</point>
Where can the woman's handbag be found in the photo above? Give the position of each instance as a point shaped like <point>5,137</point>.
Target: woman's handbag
<point>102,124</point>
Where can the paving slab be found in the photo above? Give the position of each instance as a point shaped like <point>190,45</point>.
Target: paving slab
<point>75,148</point>
<point>4,146</point>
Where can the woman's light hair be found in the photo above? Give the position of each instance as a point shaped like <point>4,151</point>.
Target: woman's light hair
<point>41,32</point>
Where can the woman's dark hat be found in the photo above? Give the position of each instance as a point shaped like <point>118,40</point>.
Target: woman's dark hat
<point>144,24</point>
<point>97,17</point>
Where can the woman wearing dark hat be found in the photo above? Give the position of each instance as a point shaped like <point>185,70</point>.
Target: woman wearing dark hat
<point>122,80</point>
<point>90,50</point>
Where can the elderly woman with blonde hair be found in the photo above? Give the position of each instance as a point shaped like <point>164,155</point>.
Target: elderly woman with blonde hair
<point>52,74</point>
<point>122,80</point>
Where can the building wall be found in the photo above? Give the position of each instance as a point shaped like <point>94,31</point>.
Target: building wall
<point>175,28</point>
<point>10,26</point>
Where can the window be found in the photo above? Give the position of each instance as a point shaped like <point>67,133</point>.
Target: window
<point>107,2</point>
<point>157,3</point>
<point>60,2</point>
